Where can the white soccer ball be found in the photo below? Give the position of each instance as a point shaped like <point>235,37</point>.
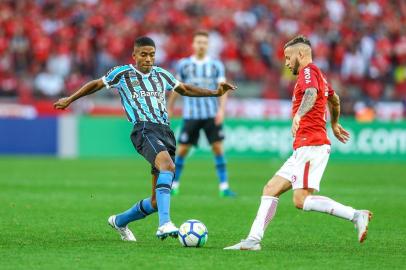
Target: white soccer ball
<point>193,233</point>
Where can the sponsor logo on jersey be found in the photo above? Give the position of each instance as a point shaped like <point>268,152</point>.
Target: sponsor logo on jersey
<point>147,94</point>
<point>135,95</point>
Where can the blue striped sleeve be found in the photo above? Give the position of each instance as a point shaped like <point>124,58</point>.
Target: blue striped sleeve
<point>113,76</point>
<point>221,76</point>
<point>170,81</point>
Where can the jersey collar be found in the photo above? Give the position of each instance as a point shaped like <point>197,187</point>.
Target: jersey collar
<point>142,74</point>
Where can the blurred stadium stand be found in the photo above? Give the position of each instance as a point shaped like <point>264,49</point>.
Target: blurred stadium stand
<point>49,48</point>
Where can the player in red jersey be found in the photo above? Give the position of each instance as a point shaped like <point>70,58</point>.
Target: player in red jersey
<point>303,171</point>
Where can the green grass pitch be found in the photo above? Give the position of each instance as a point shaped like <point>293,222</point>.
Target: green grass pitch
<point>53,215</point>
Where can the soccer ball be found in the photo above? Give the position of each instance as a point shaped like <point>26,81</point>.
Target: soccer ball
<point>193,233</point>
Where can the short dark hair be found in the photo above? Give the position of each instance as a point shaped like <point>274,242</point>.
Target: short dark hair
<point>297,40</point>
<point>201,33</point>
<point>144,41</point>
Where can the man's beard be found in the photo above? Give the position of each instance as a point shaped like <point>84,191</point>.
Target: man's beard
<point>295,70</point>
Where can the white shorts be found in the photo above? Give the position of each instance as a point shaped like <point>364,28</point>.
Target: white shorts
<point>305,168</point>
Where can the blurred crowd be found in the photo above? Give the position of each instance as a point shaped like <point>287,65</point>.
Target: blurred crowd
<point>50,47</point>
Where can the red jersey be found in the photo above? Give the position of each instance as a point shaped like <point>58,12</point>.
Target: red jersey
<point>312,127</point>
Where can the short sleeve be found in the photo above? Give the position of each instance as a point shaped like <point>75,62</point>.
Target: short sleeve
<point>221,72</point>
<point>113,76</point>
<point>170,82</point>
<point>308,79</point>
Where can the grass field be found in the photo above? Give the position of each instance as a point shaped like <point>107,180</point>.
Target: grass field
<point>53,215</point>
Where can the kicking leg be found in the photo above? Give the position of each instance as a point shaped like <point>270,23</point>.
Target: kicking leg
<point>138,211</point>
<point>266,212</point>
<point>304,199</point>
<point>183,150</point>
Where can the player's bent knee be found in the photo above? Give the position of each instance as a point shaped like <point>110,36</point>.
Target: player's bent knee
<point>164,162</point>
<point>271,189</point>
<point>300,195</point>
<point>298,199</point>
<point>276,187</point>
<point>168,166</point>
<point>298,202</point>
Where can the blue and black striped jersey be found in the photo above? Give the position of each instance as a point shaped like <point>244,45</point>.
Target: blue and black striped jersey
<point>205,73</point>
<point>142,95</point>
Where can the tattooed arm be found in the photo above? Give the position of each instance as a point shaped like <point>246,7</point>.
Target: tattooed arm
<point>309,98</point>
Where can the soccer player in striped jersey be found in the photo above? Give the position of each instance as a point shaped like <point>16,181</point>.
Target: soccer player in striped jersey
<point>303,171</point>
<point>142,90</point>
<point>201,113</point>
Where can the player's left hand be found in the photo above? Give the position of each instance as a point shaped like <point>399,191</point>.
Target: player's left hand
<point>341,134</point>
<point>295,124</point>
<point>224,87</point>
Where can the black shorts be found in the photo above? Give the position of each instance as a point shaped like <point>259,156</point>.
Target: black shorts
<point>149,139</point>
<point>191,131</point>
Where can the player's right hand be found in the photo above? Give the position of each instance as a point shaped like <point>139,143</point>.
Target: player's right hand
<point>341,134</point>
<point>62,103</point>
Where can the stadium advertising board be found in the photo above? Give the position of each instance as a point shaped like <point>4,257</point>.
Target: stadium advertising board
<point>256,138</point>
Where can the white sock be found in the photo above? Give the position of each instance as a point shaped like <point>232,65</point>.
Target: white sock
<point>224,186</point>
<point>266,212</point>
<point>175,184</point>
<point>329,206</point>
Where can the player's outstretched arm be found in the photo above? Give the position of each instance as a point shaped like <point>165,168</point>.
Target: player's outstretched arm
<point>309,98</point>
<point>87,89</point>
<point>194,91</point>
<point>334,107</point>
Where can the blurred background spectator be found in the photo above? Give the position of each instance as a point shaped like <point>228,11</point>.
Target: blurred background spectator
<point>54,46</point>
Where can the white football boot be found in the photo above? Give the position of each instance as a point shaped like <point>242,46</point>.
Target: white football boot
<point>245,244</point>
<point>361,220</point>
<point>168,229</point>
<point>125,233</point>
